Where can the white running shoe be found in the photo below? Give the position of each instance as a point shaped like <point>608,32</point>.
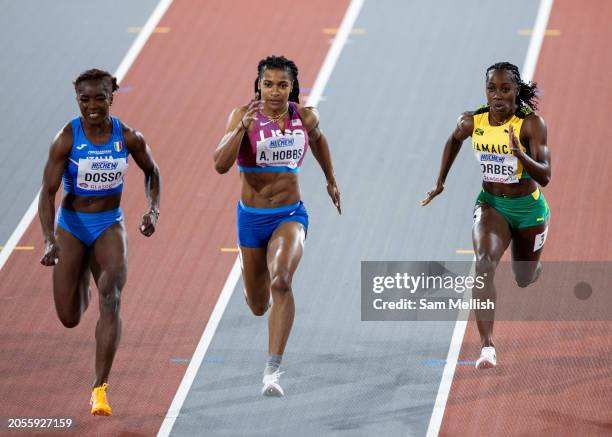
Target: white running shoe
<point>487,358</point>
<point>271,387</point>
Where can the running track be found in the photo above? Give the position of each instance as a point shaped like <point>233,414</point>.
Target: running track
<point>175,277</point>
<point>554,377</point>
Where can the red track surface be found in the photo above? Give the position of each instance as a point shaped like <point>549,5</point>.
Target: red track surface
<point>554,378</point>
<point>184,86</point>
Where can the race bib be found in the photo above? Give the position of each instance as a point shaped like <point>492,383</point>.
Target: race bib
<point>498,168</point>
<point>281,151</point>
<point>101,174</point>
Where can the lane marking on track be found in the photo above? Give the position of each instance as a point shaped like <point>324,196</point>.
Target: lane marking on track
<point>531,59</point>
<point>156,30</point>
<point>465,251</point>
<point>440,362</point>
<point>230,249</point>
<point>547,32</point>
<point>334,31</point>
<point>124,66</point>
<point>325,72</point>
<point>20,248</point>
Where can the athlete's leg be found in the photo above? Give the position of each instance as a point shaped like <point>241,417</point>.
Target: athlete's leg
<point>71,277</point>
<point>527,246</point>
<point>285,250</point>
<point>490,237</point>
<point>109,267</point>
<point>256,279</point>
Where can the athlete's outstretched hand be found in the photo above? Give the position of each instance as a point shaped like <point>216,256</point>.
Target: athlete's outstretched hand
<point>149,221</point>
<point>514,143</point>
<point>433,193</point>
<point>334,193</point>
<point>249,116</point>
<point>51,255</point>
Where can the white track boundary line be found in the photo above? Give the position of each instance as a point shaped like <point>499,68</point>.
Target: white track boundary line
<point>531,59</point>
<point>537,38</point>
<point>449,367</point>
<point>123,68</point>
<point>325,72</point>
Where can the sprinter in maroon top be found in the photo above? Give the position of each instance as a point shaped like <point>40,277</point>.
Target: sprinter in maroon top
<point>269,138</point>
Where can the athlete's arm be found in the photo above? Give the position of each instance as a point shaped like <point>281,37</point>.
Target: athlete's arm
<point>320,150</point>
<point>52,178</point>
<point>141,152</point>
<point>465,126</point>
<point>238,124</point>
<point>534,134</point>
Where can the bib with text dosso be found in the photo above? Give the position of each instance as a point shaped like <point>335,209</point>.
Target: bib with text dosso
<point>281,150</point>
<point>101,173</point>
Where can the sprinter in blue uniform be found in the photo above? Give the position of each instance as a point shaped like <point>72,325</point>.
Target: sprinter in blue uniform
<point>87,236</point>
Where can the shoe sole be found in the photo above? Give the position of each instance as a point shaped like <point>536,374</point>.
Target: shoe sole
<point>485,364</point>
<point>272,391</point>
<point>101,413</point>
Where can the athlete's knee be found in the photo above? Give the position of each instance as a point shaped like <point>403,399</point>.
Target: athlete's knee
<point>523,282</point>
<point>259,308</point>
<point>526,276</point>
<point>485,263</point>
<point>110,300</point>
<point>69,320</point>
<point>281,282</point>
<point>525,279</point>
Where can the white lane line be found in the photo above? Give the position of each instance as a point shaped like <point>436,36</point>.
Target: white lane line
<point>198,356</point>
<point>125,65</point>
<point>334,52</point>
<point>22,226</point>
<point>537,37</point>
<point>315,96</point>
<point>142,38</point>
<point>451,365</point>
<point>531,59</point>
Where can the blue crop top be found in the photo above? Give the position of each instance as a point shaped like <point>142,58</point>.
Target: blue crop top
<point>96,169</point>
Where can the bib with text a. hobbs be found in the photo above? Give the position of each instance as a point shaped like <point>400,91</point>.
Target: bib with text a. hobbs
<point>491,145</point>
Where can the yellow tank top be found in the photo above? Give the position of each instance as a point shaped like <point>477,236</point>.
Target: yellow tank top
<point>491,145</point>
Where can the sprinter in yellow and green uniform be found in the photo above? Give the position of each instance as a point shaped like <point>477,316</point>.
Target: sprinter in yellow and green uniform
<point>509,141</point>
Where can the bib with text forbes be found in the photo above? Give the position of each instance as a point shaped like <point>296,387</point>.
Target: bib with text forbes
<point>281,150</point>
<point>101,173</point>
<point>497,163</point>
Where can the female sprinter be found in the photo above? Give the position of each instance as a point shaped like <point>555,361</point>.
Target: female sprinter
<point>509,141</point>
<point>91,155</point>
<point>269,138</point>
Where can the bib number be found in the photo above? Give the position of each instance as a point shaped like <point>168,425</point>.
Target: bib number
<point>281,151</point>
<point>101,174</point>
<point>498,168</point>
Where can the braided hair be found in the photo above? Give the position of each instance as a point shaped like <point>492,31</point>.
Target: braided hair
<point>280,63</point>
<point>95,74</point>
<point>528,92</point>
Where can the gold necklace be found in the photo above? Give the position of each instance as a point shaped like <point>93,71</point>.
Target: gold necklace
<point>501,123</point>
<point>278,117</point>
